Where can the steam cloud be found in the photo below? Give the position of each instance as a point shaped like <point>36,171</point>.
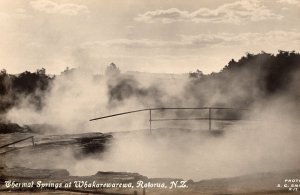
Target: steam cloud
<point>264,83</point>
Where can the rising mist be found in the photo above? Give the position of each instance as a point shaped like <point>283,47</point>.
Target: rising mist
<point>267,140</point>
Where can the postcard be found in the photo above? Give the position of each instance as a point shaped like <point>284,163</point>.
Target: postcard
<point>149,97</point>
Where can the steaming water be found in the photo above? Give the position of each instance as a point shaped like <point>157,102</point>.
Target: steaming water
<point>195,155</point>
<point>174,153</point>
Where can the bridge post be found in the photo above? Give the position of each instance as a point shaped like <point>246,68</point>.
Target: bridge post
<point>150,121</point>
<point>209,119</point>
<point>32,139</point>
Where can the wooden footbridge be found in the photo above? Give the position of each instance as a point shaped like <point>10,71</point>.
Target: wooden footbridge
<point>209,115</point>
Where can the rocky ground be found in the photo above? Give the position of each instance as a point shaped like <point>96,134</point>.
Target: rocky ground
<point>264,183</point>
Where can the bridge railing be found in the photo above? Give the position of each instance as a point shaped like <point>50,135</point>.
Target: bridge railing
<point>15,142</point>
<point>209,116</point>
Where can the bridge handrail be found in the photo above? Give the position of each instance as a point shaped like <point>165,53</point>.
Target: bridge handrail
<point>210,118</point>
<point>31,137</point>
<point>168,108</point>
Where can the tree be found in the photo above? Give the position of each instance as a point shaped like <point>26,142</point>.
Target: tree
<point>41,71</point>
<point>4,82</point>
<point>112,70</point>
<point>3,72</point>
<point>197,74</point>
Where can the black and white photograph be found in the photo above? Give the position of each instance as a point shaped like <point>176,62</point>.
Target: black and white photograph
<point>149,97</point>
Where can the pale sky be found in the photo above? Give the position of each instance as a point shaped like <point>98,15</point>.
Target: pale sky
<point>175,36</point>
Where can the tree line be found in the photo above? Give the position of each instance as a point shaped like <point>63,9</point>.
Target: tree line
<point>32,85</point>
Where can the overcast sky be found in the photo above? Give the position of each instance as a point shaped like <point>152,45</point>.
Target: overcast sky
<point>174,36</point>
